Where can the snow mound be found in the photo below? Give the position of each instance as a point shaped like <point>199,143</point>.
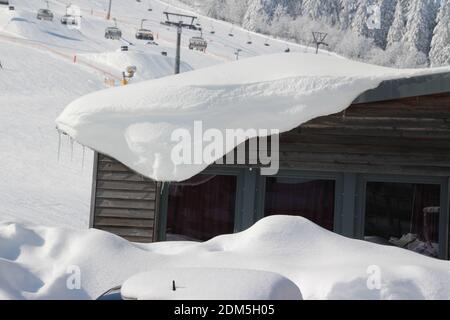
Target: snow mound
<point>149,66</point>
<point>38,262</point>
<point>268,92</point>
<point>209,284</point>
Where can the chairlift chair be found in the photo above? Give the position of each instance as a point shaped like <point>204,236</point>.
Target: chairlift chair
<point>45,14</point>
<point>113,33</point>
<point>69,19</point>
<point>144,34</point>
<point>231,34</point>
<point>4,2</point>
<point>198,43</point>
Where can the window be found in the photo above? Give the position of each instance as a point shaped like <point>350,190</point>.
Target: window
<point>404,215</point>
<point>309,198</point>
<point>201,208</point>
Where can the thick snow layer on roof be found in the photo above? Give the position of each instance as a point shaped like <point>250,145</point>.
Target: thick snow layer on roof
<point>134,124</point>
<point>39,262</point>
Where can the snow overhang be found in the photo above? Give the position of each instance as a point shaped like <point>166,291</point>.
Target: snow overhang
<point>135,124</point>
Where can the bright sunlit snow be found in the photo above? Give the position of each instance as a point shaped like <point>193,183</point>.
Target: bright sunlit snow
<point>38,262</point>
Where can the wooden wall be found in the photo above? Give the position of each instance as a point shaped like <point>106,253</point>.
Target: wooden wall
<point>125,202</point>
<point>408,136</point>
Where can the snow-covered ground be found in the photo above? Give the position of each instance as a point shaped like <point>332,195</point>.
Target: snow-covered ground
<point>38,262</point>
<point>39,79</point>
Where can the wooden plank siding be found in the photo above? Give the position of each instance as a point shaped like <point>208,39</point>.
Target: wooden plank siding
<point>409,136</point>
<point>125,202</point>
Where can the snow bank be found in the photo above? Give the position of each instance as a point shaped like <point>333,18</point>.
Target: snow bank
<point>209,284</point>
<point>134,124</point>
<point>38,262</point>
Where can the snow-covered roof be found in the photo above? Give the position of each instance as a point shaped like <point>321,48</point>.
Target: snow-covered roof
<point>134,124</point>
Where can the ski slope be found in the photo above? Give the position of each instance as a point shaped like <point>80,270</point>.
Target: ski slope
<point>45,186</point>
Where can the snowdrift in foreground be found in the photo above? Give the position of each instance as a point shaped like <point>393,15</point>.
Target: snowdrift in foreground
<point>134,124</point>
<point>38,262</point>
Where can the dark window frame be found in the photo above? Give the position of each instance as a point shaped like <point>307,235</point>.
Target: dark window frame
<point>350,193</point>
<point>360,212</point>
<point>164,198</point>
<point>338,178</point>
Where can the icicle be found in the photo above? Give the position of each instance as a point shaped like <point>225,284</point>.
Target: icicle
<point>59,144</point>
<point>71,148</point>
<point>82,159</point>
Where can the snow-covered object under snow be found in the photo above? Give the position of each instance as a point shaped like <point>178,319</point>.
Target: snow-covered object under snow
<point>55,263</point>
<point>134,124</point>
<point>209,284</point>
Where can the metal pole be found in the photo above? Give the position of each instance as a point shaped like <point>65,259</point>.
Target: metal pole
<point>108,16</point>
<point>178,56</point>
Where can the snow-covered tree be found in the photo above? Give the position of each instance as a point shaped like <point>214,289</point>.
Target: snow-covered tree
<point>398,27</point>
<point>347,13</point>
<point>256,17</point>
<point>387,11</point>
<point>324,10</point>
<point>359,24</point>
<point>420,24</point>
<point>440,45</point>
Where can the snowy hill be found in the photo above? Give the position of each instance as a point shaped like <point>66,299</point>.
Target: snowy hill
<point>409,33</point>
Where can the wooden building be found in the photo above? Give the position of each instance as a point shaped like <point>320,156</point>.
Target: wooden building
<point>378,171</point>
